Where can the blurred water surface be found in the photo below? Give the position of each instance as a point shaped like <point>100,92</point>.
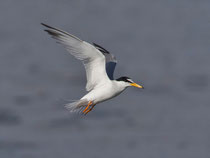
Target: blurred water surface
<point>163,45</point>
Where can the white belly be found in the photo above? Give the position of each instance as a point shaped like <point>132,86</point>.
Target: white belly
<point>104,92</point>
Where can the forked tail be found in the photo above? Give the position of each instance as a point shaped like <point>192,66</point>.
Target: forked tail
<point>77,105</point>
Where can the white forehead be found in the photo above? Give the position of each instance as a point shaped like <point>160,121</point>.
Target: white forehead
<point>130,80</point>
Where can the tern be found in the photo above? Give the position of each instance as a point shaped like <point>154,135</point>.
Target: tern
<point>99,65</point>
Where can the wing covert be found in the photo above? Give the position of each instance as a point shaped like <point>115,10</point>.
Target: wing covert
<point>92,58</point>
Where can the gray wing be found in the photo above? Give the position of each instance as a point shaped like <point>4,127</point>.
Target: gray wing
<point>111,61</point>
<point>87,53</point>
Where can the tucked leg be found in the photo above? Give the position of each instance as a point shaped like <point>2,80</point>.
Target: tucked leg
<point>86,109</point>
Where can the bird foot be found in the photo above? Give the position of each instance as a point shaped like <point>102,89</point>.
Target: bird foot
<point>87,109</point>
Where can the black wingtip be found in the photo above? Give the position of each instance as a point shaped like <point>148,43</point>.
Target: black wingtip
<point>101,48</point>
<point>50,30</point>
<point>47,26</point>
<point>52,33</point>
<point>44,24</point>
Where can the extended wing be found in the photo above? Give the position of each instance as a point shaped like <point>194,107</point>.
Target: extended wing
<point>111,61</point>
<point>92,58</point>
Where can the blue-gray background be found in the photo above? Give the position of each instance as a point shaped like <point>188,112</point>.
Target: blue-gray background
<point>162,44</point>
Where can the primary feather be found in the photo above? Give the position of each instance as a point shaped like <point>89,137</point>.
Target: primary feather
<point>111,61</point>
<point>92,58</point>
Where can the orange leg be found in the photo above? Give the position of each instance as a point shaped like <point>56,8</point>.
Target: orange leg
<point>87,107</point>
<point>87,111</point>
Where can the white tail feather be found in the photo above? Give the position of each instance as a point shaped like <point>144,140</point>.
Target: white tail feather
<point>77,105</point>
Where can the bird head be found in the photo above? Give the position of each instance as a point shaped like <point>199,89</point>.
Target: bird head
<point>128,82</point>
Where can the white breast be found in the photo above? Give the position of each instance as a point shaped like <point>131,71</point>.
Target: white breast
<point>104,92</point>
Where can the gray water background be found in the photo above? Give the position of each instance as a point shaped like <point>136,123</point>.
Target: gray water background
<point>162,44</point>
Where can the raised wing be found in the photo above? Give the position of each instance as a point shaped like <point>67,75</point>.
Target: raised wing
<point>111,61</point>
<point>92,58</point>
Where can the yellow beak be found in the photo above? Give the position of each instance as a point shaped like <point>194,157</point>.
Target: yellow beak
<point>136,85</point>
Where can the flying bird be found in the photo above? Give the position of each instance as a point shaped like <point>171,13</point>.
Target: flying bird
<point>99,65</point>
